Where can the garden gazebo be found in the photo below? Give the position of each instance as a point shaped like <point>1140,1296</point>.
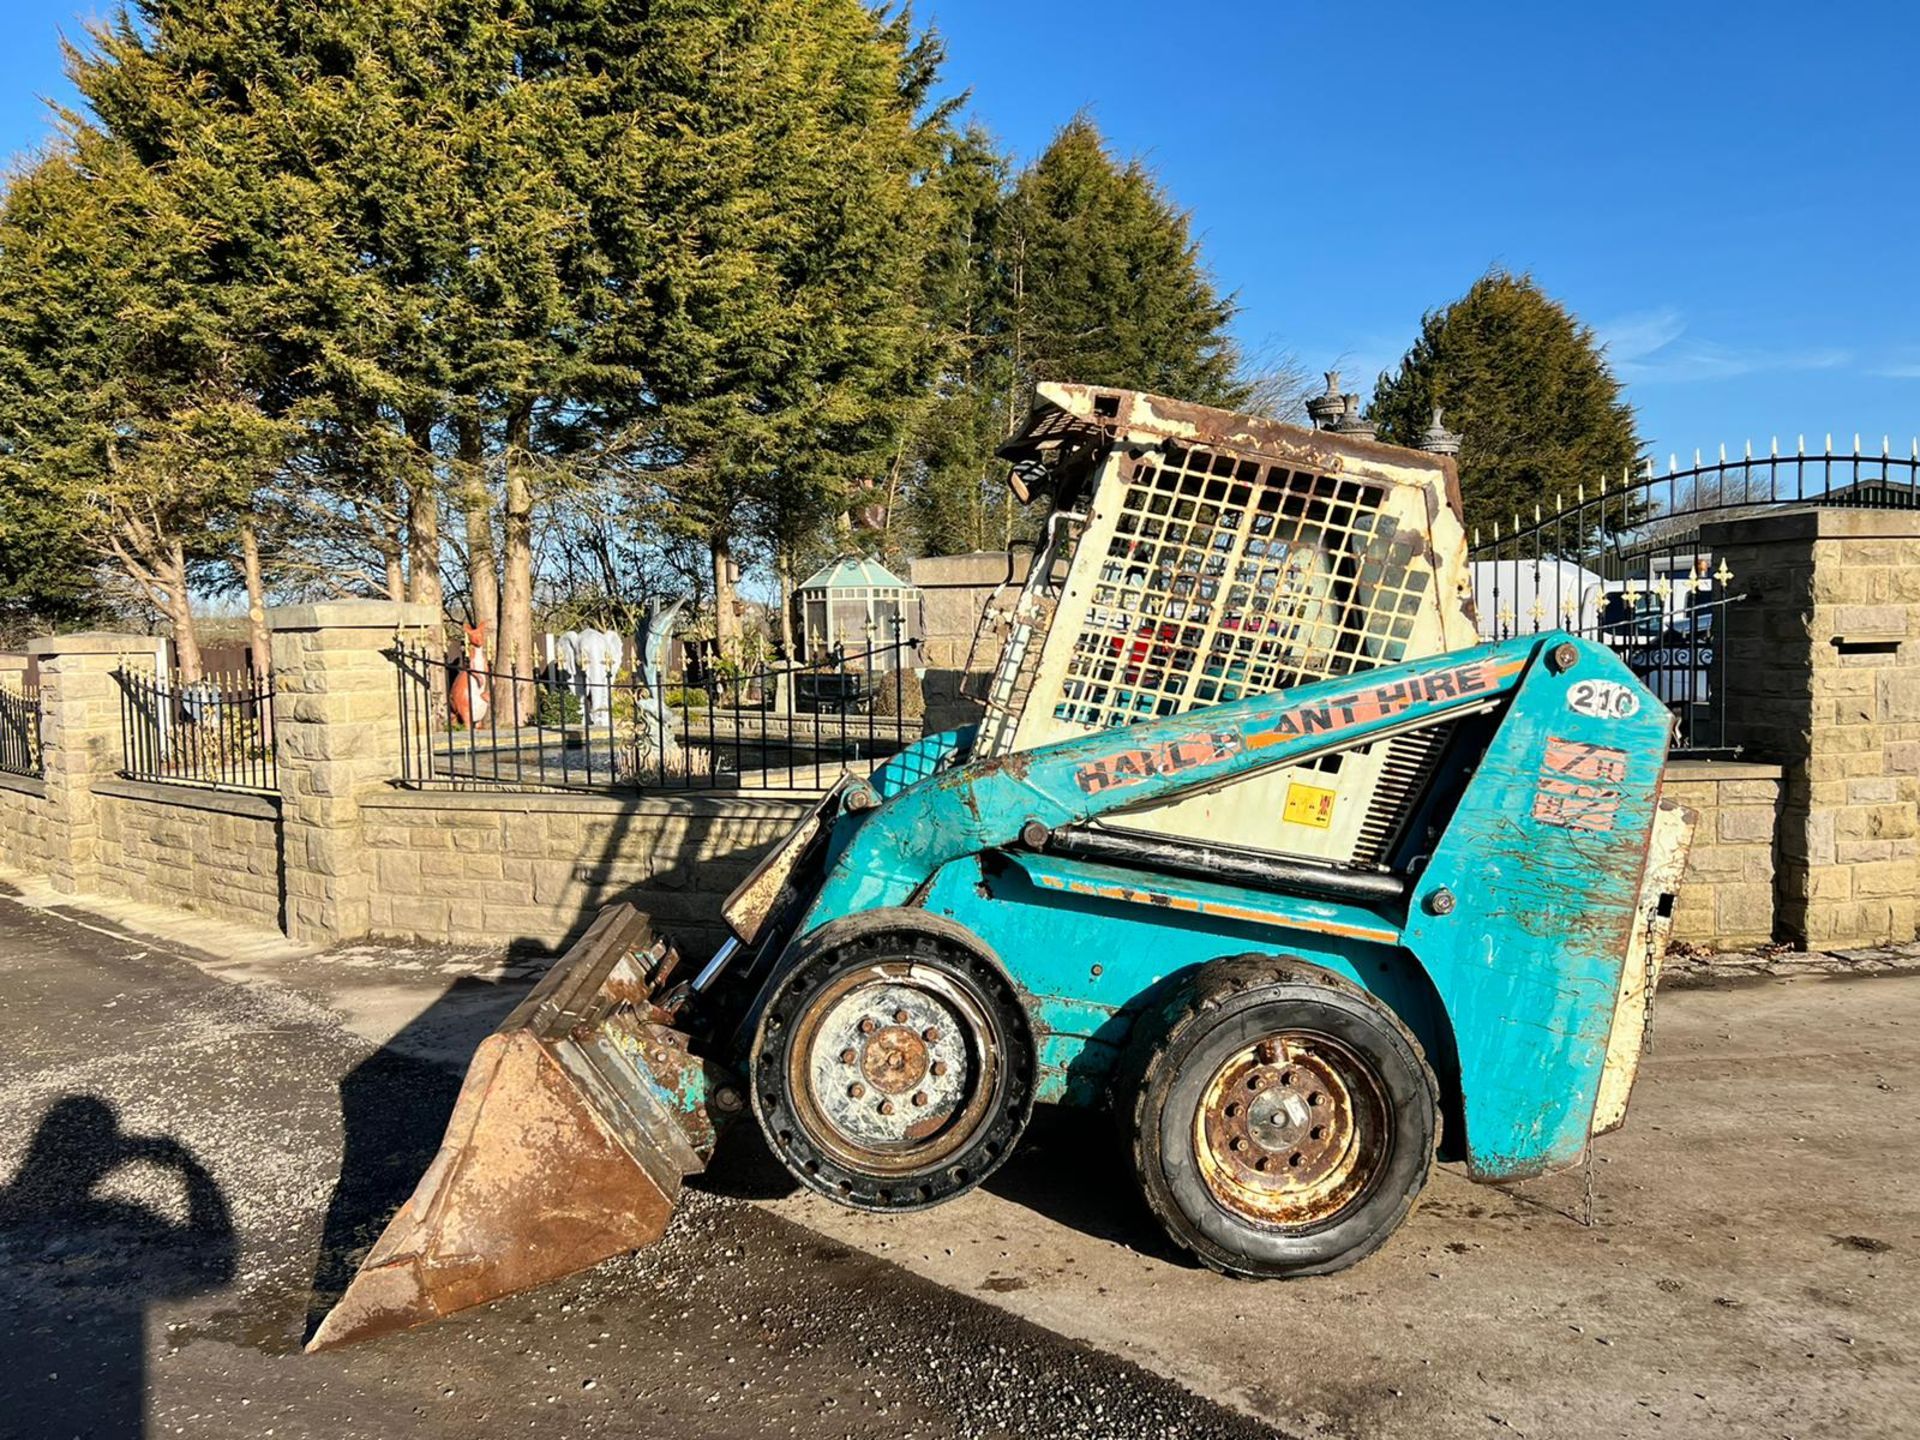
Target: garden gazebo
<point>853,605</point>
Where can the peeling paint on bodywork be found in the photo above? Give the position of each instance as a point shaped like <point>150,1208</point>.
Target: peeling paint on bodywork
<point>1088,411</point>
<point>1646,950</point>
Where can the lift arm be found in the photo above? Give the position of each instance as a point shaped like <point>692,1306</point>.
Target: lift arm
<point>987,804</point>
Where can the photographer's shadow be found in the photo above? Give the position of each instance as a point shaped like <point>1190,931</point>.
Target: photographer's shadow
<point>78,1270</point>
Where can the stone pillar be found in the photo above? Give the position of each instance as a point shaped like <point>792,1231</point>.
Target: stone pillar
<point>336,716</point>
<point>13,671</point>
<point>1823,677</point>
<point>80,743</point>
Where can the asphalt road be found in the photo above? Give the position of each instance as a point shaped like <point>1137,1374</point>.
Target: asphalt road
<point>193,1143</point>
<point>192,1155</point>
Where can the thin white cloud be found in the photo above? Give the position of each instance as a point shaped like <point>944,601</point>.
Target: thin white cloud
<point>1633,337</point>
<point>1651,347</point>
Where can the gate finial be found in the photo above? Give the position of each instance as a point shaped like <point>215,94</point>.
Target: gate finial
<point>1439,440</point>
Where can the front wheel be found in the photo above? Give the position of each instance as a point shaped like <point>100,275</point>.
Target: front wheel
<point>893,1068</point>
<point>1285,1120</point>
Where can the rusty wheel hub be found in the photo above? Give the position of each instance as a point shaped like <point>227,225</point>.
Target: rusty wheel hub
<point>1291,1130</point>
<point>889,1069</point>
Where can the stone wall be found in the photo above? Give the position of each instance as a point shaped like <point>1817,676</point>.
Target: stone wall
<point>1726,899</point>
<point>209,851</point>
<point>1824,678</point>
<point>532,870</point>
<point>1823,690</point>
<point>24,823</point>
<point>955,591</point>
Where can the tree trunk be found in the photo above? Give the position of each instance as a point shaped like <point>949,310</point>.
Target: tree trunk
<point>186,639</point>
<point>423,517</point>
<point>482,578</point>
<point>783,689</point>
<point>726,624</point>
<point>516,588</point>
<point>396,572</point>
<point>259,640</point>
<point>785,578</point>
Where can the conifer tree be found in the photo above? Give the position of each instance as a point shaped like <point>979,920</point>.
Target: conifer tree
<point>131,421</point>
<point>957,496</point>
<point>784,230</point>
<point>1527,386</point>
<point>1082,269</point>
<point>1108,284</point>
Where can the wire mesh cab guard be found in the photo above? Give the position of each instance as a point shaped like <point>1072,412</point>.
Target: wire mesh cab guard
<point>1193,556</point>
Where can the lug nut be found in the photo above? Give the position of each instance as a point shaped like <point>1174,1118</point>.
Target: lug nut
<point>886,1107</point>
<point>1256,1082</point>
<point>899,1017</point>
<point>1295,1158</point>
<point>919,1097</point>
<point>1314,1099</point>
<point>848,1056</point>
<point>1262,1163</point>
<point>1286,1077</point>
<point>867,1025</point>
<point>1233,1108</point>
<point>930,1034</point>
<point>939,1067</point>
<point>857,1091</point>
<point>1237,1143</point>
<point>1319,1132</point>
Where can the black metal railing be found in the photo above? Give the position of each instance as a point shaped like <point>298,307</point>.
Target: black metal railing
<point>216,731</point>
<point>786,727</point>
<point>20,732</point>
<point>1621,561</point>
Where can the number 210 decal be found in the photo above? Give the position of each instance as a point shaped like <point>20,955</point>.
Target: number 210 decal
<point>1602,699</point>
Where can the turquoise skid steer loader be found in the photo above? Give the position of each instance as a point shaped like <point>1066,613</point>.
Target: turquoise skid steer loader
<point>1253,846</point>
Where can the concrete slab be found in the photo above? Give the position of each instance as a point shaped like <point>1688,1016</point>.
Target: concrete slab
<point>1755,1269</point>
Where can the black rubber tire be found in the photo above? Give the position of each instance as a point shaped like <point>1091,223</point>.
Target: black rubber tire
<point>924,942</point>
<point>1232,1004</point>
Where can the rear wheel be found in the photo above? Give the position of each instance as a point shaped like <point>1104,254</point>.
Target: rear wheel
<point>893,1067</point>
<point>1285,1120</point>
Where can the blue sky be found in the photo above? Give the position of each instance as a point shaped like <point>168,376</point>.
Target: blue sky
<point>1725,192</point>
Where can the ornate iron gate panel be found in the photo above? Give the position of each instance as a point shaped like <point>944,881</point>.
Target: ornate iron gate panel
<point>1622,562</point>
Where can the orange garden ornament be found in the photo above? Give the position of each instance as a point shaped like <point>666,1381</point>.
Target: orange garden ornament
<point>469,696</point>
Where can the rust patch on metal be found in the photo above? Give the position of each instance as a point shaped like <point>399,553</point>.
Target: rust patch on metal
<point>1290,1131</point>
<point>895,1060</point>
<point>548,1164</point>
<point>528,1186</point>
<point>1268,916</point>
<point>1064,414</point>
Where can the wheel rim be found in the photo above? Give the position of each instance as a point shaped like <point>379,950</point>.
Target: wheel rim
<point>1292,1130</point>
<point>892,1067</point>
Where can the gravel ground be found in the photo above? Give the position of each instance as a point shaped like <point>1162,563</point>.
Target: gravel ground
<point>196,1161</point>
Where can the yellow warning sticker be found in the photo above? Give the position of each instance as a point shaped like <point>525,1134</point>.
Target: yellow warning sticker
<point>1309,805</point>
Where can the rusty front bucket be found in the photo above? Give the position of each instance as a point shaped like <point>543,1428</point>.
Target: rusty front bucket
<point>578,1119</point>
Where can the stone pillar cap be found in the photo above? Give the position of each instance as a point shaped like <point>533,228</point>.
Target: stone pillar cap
<point>94,642</point>
<point>352,615</point>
